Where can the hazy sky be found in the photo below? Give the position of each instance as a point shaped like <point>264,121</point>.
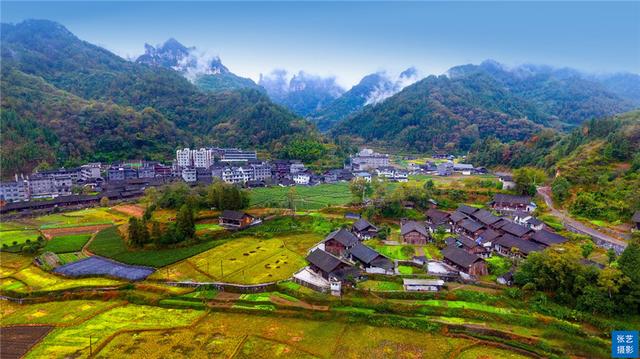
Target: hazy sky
<point>352,39</point>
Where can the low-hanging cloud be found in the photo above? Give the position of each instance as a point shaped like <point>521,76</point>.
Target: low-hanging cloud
<point>392,85</point>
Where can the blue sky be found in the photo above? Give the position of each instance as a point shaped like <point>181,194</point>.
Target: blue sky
<point>350,40</point>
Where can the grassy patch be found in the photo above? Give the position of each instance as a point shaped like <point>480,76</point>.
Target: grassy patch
<point>312,197</point>
<point>18,236</point>
<point>68,243</point>
<point>109,243</point>
<point>35,279</point>
<point>377,285</point>
<point>84,217</point>
<point>393,252</point>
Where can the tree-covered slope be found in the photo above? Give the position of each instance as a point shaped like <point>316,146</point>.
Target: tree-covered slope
<point>442,113</point>
<point>49,69</point>
<point>596,166</point>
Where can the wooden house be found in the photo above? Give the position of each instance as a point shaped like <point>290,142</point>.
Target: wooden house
<point>436,217</point>
<point>507,202</point>
<point>465,262</point>
<point>469,245</point>
<point>364,230</point>
<point>514,247</point>
<point>338,242</point>
<point>413,232</point>
<point>470,227</point>
<point>516,230</point>
<point>371,260</point>
<point>329,266</point>
<point>236,219</point>
<point>547,238</point>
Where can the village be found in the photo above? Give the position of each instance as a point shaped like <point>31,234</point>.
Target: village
<point>304,244</point>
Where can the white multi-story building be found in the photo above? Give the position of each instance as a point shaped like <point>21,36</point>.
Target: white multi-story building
<point>43,186</point>
<point>368,159</point>
<point>296,167</point>
<point>202,158</point>
<point>184,158</point>
<point>237,174</point>
<point>261,172</point>
<point>301,178</point>
<point>189,174</point>
<point>15,191</point>
<point>90,171</point>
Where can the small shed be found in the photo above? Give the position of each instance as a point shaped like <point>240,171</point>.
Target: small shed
<point>422,285</point>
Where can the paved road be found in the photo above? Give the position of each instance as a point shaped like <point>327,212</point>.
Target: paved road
<point>601,239</point>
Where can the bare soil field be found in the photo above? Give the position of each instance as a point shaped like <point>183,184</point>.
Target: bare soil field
<point>55,232</point>
<point>130,209</point>
<point>16,341</point>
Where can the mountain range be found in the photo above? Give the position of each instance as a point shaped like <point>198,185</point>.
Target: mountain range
<point>65,100</point>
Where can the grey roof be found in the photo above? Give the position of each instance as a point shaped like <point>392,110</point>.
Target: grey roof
<point>486,217</point>
<point>460,256</point>
<point>636,217</point>
<point>343,237</point>
<point>467,209</point>
<point>363,253</point>
<point>410,226</point>
<point>526,247</point>
<point>435,282</point>
<point>511,199</point>
<point>547,238</point>
<point>324,260</point>
<point>363,224</point>
<point>515,229</point>
<point>457,216</point>
<point>500,223</point>
<point>437,216</point>
<point>234,215</point>
<point>470,225</point>
<point>463,241</point>
<point>488,235</point>
<point>534,221</point>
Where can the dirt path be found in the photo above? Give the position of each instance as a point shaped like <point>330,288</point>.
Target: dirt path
<point>85,248</point>
<point>54,232</point>
<point>601,239</point>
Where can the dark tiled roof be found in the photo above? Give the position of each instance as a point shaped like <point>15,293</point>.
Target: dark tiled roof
<point>462,241</point>
<point>467,209</point>
<point>457,216</point>
<point>233,215</point>
<point>526,247</point>
<point>363,224</point>
<point>364,253</point>
<point>343,237</point>
<point>460,256</point>
<point>547,238</point>
<point>437,216</point>
<point>500,223</point>
<point>515,229</point>
<point>470,225</point>
<point>511,199</point>
<point>534,221</point>
<point>410,226</point>
<point>488,235</point>
<point>324,260</point>
<point>636,217</point>
<point>486,217</point>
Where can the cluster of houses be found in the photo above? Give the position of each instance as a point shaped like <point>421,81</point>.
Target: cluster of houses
<point>446,168</point>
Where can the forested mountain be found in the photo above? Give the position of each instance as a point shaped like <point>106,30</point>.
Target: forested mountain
<point>477,101</point>
<point>596,166</point>
<point>207,73</point>
<point>54,84</point>
<point>303,94</point>
<point>443,113</point>
<point>372,89</point>
<point>565,95</point>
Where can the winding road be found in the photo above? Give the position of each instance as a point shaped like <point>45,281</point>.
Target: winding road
<point>601,239</point>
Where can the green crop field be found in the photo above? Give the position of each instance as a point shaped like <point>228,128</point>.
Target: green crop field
<point>244,260</point>
<point>109,243</point>
<point>312,197</point>
<point>84,217</point>
<point>54,313</point>
<point>19,236</point>
<point>33,278</point>
<point>248,336</point>
<point>74,340</point>
<point>377,285</point>
<point>68,243</point>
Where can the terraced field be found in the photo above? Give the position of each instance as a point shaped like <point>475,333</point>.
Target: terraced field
<point>245,260</point>
<point>68,243</point>
<point>84,217</point>
<point>33,278</point>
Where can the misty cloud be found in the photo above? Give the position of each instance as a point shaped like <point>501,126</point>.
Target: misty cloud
<point>392,85</point>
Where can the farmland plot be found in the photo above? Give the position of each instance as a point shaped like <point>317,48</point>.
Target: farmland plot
<point>16,341</point>
<point>68,243</point>
<point>33,278</point>
<point>96,265</point>
<point>71,341</point>
<point>245,260</point>
<point>312,197</point>
<point>19,236</point>
<point>54,313</point>
<point>84,217</point>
